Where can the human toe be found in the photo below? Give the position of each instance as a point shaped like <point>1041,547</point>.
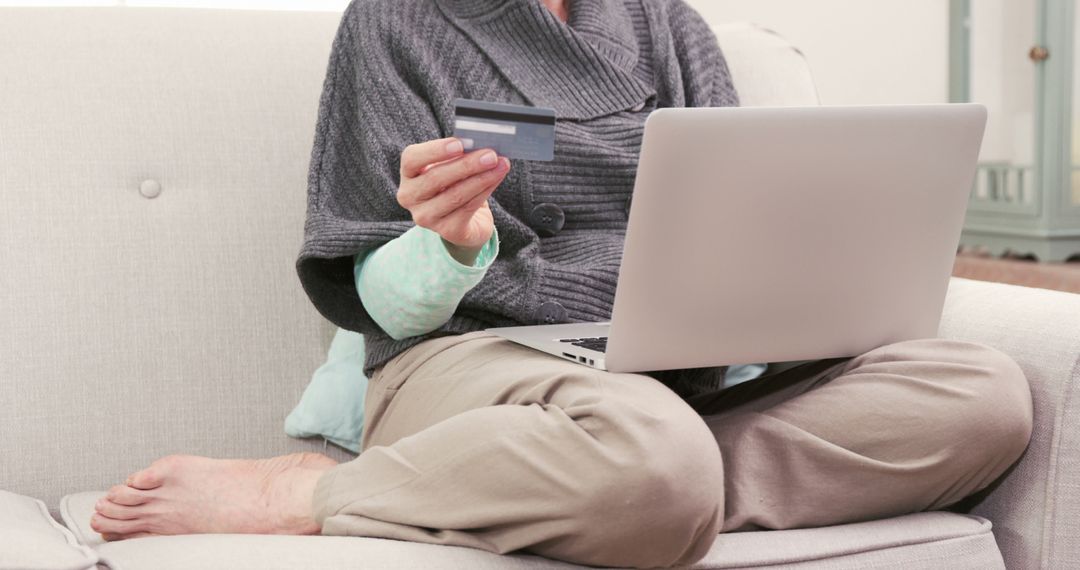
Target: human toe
<point>113,537</point>
<point>155,475</point>
<point>109,509</point>
<point>107,526</point>
<point>149,478</point>
<point>127,496</point>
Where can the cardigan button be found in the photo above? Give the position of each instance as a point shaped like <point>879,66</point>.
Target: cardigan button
<point>547,219</point>
<point>551,313</point>
<point>638,108</point>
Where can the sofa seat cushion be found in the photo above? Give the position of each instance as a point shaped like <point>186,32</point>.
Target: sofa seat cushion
<point>31,540</point>
<point>912,542</point>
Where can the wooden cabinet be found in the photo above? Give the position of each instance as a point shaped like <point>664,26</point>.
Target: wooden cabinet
<point>1018,57</point>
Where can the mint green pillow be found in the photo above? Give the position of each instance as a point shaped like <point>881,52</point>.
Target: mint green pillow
<point>332,406</point>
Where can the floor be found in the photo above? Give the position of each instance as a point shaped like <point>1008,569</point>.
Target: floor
<point>1057,276</point>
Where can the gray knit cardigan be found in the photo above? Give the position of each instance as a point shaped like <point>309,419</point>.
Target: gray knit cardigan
<point>395,68</point>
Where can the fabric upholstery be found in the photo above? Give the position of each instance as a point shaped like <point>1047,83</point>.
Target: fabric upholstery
<point>31,540</point>
<point>1036,509</point>
<point>913,542</point>
<point>132,327</point>
<point>130,333</point>
<point>767,70</point>
<point>125,320</point>
<point>75,512</point>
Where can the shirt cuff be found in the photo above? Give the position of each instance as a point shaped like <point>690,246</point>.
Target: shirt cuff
<point>412,285</point>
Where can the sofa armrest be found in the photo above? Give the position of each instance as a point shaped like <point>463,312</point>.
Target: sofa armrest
<point>1036,507</point>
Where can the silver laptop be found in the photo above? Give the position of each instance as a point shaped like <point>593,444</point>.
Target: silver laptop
<point>782,234</point>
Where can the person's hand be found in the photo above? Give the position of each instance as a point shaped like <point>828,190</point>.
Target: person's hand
<point>446,191</point>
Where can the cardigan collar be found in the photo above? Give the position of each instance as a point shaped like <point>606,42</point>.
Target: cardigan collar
<point>582,68</point>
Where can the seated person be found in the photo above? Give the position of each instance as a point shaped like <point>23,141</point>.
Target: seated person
<point>475,441</point>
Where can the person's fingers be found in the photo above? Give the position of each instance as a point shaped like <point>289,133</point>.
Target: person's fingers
<point>466,226</point>
<point>459,219</point>
<point>440,163</point>
<point>415,158</point>
<point>428,213</point>
<point>434,181</point>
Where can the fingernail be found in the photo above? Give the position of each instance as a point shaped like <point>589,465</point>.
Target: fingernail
<point>489,159</point>
<point>99,504</point>
<point>504,163</point>
<point>455,147</point>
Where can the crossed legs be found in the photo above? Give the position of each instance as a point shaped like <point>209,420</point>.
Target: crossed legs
<point>477,442</point>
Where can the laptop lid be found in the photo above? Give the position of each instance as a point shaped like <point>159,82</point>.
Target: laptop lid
<point>780,234</point>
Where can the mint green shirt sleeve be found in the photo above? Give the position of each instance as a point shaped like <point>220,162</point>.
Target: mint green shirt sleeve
<point>412,285</point>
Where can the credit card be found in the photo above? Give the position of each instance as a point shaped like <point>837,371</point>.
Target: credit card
<point>513,131</point>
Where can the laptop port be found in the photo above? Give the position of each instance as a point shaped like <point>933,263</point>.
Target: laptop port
<point>591,363</point>
<point>581,359</point>
<point>568,355</point>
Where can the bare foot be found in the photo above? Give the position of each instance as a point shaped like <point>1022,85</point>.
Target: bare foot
<point>184,494</point>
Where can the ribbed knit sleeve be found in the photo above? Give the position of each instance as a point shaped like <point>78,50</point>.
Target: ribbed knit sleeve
<point>706,78</point>
<point>368,113</point>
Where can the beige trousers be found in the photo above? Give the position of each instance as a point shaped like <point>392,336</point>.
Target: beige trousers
<point>475,441</point>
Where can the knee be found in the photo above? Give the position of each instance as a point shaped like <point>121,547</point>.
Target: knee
<point>991,418</point>
<point>664,505</point>
<point>1002,401</point>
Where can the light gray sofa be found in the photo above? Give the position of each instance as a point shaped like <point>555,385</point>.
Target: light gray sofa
<point>152,190</point>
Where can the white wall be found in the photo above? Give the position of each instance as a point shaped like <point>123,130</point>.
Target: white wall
<point>860,51</point>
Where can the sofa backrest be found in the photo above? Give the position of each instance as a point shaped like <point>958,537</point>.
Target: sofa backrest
<point>153,170</point>
<point>136,327</point>
<point>767,70</point>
